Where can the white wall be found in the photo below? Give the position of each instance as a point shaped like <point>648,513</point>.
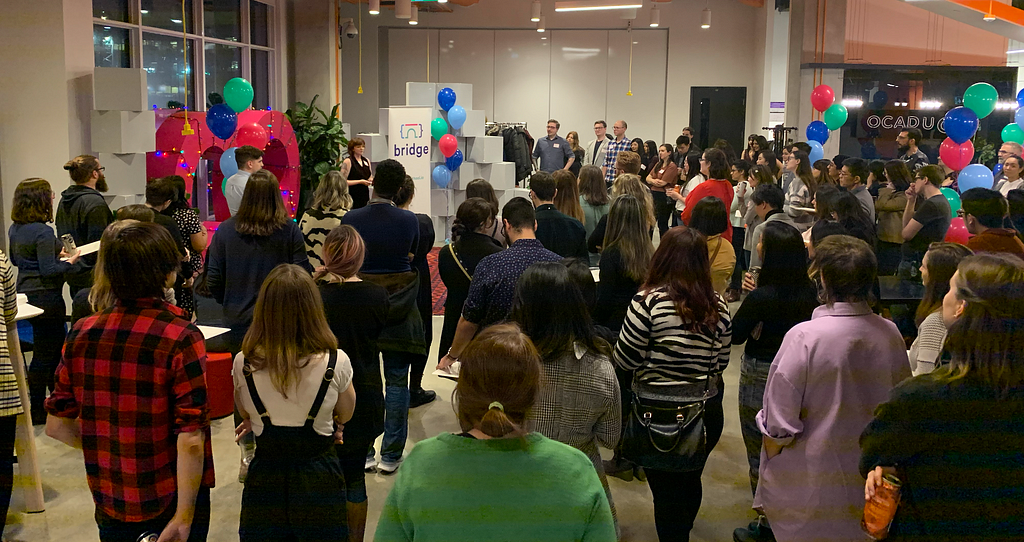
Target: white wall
<point>725,55</point>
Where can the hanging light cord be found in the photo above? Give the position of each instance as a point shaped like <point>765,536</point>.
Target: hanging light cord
<point>360,10</point>
<point>187,129</point>
<point>629,34</point>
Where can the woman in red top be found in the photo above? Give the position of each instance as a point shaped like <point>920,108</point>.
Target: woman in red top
<point>715,168</point>
<point>663,176</point>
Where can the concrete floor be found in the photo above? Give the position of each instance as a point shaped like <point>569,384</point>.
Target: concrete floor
<point>69,507</point>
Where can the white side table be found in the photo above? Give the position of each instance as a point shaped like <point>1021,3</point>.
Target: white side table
<point>28,478</point>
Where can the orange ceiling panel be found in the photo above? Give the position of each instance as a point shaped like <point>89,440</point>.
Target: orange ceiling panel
<point>1002,11</point>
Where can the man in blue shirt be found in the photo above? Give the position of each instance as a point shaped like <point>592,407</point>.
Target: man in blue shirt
<point>391,234</point>
<point>619,144</point>
<point>553,152</point>
<point>494,281</point>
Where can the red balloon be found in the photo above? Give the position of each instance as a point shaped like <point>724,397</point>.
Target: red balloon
<point>957,232</point>
<point>822,97</point>
<point>956,156</point>
<point>448,145</point>
<point>251,134</point>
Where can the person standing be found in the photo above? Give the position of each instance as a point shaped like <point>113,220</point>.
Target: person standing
<point>559,233</point>
<point>10,399</point>
<point>42,264</point>
<point>357,313</point>
<point>676,337</point>
<point>710,218</point>
<point>985,213</point>
<point>189,225</point>
<point>356,168</point>
<point>690,178</point>
<point>491,291</point>
<point>908,142</point>
<point>926,219</point>
<point>567,197</point>
<point>889,206</point>
<point>826,380</point>
<point>83,214</point>
<point>937,267</point>
<point>249,160</point>
<point>853,177</point>
<point>597,149</point>
<point>715,168</point>
<point>768,203</point>
<point>331,201</point>
<point>620,144</point>
<point>593,201</point>
<point>131,393</point>
<point>578,152</point>
<point>802,188</point>
<point>663,177</point>
<point>1011,175</point>
<point>625,260</point>
<point>553,152</point>
<point>289,361</point>
<point>160,194</point>
<point>953,436</point>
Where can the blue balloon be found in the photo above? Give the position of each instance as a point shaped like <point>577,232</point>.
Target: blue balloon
<point>817,152</point>
<point>1019,116</point>
<point>1020,98</point>
<point>222,120</point>
<point>446,98</point>
<point>960,124</point>
<point>817,131</point>
<point>457,117</point>
<point>228,165</point>
<point>997,170</point>
<point>974,176</point>
<point>441,176</point>
<point>880,99</point>
<point>454,161</point>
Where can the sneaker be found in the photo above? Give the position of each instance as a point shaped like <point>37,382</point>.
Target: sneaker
<point>371,465</point>
<point>755,532</point>
<point>387,467</point>
<point>421,397</point>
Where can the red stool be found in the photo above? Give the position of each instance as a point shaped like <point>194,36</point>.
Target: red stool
<point>220,389</point>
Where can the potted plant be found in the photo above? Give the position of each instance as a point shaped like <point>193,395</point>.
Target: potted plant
<point>321,140</point>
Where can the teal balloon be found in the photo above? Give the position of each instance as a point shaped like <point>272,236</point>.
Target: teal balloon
<point>238,94</point>
<point>981,98</point>
<point>835,116</point>
<point>953,198</point>
<point>1012,132</point>
<point>438,128</point>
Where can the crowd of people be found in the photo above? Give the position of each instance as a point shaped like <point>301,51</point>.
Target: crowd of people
<point>330,330</point>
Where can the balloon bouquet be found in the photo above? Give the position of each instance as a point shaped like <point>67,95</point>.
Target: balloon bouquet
<point>442,174</point>
<point>222,119</point>
<point>835,115</point>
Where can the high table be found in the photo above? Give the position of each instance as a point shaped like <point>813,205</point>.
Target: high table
<point>28,478</point>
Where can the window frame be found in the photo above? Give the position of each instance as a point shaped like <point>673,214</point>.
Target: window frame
<point>199,41</point>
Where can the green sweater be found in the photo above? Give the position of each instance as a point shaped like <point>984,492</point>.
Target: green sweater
<point>453,488</point>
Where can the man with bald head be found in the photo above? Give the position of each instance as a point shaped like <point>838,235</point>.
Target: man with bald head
<point>617,145</point>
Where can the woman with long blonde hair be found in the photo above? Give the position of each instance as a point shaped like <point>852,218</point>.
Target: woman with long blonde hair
<point>289,361</point>
<point>627,183</point>
<point>331,201</point>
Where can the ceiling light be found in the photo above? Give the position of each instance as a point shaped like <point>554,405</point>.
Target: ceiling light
<point>415,18</point>
<point>850,103</point>
<point>145,11</point>
<point>1014,51</point>
<point>655,16</point>
<point>596,5</point>
<point>535,11</point>
<point>442,1</point>
<point>540,25</point>
<point>705,18</point>
<point>403,9</point>
<point>176,21</point>
<point>988,18</point>
<point>374,7</point>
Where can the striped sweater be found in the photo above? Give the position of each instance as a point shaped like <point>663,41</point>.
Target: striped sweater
<point>655,342</point>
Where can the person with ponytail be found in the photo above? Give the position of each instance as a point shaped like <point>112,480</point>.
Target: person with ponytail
<point>83,213</point>
<point>496,478</point>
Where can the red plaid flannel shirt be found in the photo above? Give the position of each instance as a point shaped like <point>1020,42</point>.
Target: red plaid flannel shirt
<point>135,376</point>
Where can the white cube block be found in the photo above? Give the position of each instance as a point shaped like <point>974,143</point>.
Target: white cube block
<point>502,175</point>
<point>518,193</point>
<point>460,196</point>
<point>119,89</point>
<point>125,173</point>
<point>485,149</point>
<point>442,202</point>
<point>383,121</point>
<point>474,125</point>
<point>442,230</point>
<point>376,147</point>
<point>463,94</point>
<point>504,196</point>
<point>123,131</point>
<point>421,94</point>
<point>436,156</point>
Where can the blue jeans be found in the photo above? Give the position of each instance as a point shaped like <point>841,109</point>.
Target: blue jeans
<point>396,405</point>
<point>753,380</point>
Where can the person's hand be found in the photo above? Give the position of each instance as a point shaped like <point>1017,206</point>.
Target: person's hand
<point>243,429</point>
<point>177,530</point>
<point>367,182</point>
<point>659,183</point>
<point>339,430</point>
<point>446,362</point>
<point>674,194</point>
<point>874,480</point>
<point>70,258</point>
<point>748,282</point>
<point>910,192</point>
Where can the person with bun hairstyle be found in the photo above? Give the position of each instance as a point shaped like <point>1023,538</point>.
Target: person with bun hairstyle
<point>471,242</point>
<point>83,213</point>
<point>496,478</point>
<point>356,168</point>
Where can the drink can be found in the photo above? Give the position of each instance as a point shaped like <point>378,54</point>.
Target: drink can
<point>149,537</point>
<point>755,273</point>
<point>880,510</point>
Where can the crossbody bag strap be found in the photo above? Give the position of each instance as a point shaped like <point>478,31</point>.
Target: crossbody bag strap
<point>322,392</point>
<point>451,248</point>
<point>261,410</point>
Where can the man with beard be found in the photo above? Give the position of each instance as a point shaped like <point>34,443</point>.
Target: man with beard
<point>908,140</point>
<point>83,213</point>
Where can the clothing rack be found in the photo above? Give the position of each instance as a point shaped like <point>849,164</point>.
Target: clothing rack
<point>505,124</point>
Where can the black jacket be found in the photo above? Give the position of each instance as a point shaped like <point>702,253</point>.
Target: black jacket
<point>560,233</point>
<point>84,214</point>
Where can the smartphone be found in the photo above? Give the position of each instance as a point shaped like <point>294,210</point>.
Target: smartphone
<point>69,243</point>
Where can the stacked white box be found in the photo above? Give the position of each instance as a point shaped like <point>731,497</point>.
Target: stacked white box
<point>123,130</point>
<point>442,202</point>
<point>376,147</point>
<point>485,149</point>
<point>474,125</point>
<point>119,89</point>
<point>421,94</point>
<point>125,173</point>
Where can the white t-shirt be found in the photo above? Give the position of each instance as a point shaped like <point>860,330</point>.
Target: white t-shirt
<point>291,412</point>
<point>690,185</point>
<point>1005,186</point>
<point>234,187</point>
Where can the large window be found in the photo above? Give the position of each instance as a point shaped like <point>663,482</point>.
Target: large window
<point>221,39</point>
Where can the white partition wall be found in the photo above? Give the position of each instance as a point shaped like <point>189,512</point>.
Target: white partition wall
<point>575,76</point>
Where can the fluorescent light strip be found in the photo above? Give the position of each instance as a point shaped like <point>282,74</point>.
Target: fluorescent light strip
<point>588,6</point>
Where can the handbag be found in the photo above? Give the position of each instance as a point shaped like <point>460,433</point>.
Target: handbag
<point>667,434</point>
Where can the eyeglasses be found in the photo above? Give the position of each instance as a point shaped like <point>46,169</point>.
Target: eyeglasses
<point>960,213</point>
<point>101,169</point>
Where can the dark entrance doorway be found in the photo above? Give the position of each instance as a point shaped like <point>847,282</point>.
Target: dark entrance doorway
<point>719,113</point>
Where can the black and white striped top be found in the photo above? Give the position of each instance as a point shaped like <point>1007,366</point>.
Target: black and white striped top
<point>654,342</point>
<point>10,399</point>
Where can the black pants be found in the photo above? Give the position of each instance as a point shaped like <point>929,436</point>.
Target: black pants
<point>677,495</point>
<point>738,235</point>
<point>112,530</point>
<point>888,258</point>
<point>663,207</point>
<point>48,334</point>
<point>294,501</point>
<point>7,432</point>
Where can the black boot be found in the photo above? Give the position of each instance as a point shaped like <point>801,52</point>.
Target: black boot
<point>420,397</point>
<point>758,531</point>
<point>621,468</point>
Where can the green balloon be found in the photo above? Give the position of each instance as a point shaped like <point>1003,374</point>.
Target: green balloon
<point>953,198</point>
<point>835,116</point>
<point>438,128</point>
<point>1012,132</point>
<point>981,98</point>
<point>238,94</point>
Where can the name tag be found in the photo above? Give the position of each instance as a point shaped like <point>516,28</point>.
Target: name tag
<point>556,145</point>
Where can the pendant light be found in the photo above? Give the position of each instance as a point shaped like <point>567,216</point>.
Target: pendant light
<point>415,18</point>
<point>403,9</point>
<point>705,18</point>
<point>374,7</point>
<point>540,25</point>
<point>535,11</point>
<point>655,17</point>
